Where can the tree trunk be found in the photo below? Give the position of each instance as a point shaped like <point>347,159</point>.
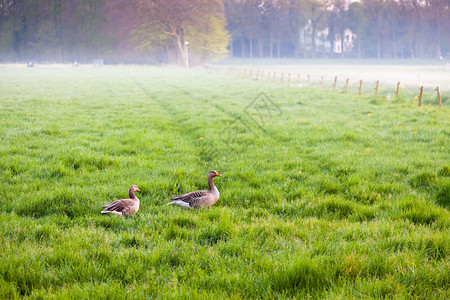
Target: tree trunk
<point>278,48</point>
<point>305,53</point>
<point>260,46</point>
<point>313,38</point>
<point>271,45</point>
<point>180,47</point>
<point>57,27</point>
<point>394,42</point>
<point>359,48</point>
<point>250,41</point>
<point>437,28</point>
<point>25,36</point>
<point>378,46</point>
<point>231,48</point>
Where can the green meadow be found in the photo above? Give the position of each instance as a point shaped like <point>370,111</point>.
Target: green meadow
<point>323,195</point>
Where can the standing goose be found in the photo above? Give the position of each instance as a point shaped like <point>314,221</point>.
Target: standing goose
<point>199,199</point>
<point>124,207</point>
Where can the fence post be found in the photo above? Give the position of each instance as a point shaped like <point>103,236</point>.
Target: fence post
<point>398,90</point>
<point>262,75</point>
<point>334,84</point>
<point>376,88</point>
<point>308,79</point>
<point>289,78</point>
<point>274,76</point>
<point>257,75</point>
<point>282,75</point>
<point>346,85</point>
<point>321,82</point>
<point>298,79</point>
<point>268,77</point>
<point>251,73</point>
<point>439,96</point>
<point>420,97</point>
<point>360,87</point>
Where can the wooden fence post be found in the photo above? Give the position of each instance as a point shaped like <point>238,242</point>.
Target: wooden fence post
<point>308,79</point>
<point>346,85</point>
<point>334,84</point>
<point>262,75</point>
<point>321,81</point>
<point>360,87</point>
<point>376,88</point>
<point>439,96</point>
<point>421,94</point>
<point>298,79</point>
<point>268,77</point>
<point>398,90</point>
<point>282,74</point>
<point>274,76</point>
<point>257,75</point>
<point>251,73</point>
<point>289,78</point>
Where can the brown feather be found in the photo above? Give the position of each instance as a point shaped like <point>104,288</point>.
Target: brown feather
<point>126,207</point>
<point>199,199</point>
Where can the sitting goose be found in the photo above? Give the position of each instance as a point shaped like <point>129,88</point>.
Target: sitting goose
<point>199,199</point>
<point>124,207</point>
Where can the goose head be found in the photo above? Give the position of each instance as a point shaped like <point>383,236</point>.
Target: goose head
<point>213,173</point>
<point>134,188</point>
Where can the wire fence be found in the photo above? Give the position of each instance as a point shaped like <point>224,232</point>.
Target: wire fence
<point>421,96</point>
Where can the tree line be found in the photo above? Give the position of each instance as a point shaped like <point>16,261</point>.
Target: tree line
<point>118,31</point>
<point>195,31</point>
<point>312,28</point>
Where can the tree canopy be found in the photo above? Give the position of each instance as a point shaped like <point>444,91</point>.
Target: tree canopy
<point>119,31</point>
<point>164,31</point>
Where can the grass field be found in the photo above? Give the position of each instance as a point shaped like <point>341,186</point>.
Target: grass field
<point>323,195</point>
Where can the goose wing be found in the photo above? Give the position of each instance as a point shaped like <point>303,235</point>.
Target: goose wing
<point>122,205</point>
<point>193,199</point>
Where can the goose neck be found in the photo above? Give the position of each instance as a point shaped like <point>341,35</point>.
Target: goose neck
<point>211,183</point>
<point>131,194</point>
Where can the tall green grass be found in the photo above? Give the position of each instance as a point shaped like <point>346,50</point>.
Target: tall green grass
<point>323,195</point>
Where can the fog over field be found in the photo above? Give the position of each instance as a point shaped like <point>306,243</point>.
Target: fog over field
<point>411,75</point>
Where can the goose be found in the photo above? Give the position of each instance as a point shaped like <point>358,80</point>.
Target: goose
<point>124,207</point>
<point>199,199</point>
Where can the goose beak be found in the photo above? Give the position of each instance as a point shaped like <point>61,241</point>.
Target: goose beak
<point>138,190</point>
<point>217,174</point>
